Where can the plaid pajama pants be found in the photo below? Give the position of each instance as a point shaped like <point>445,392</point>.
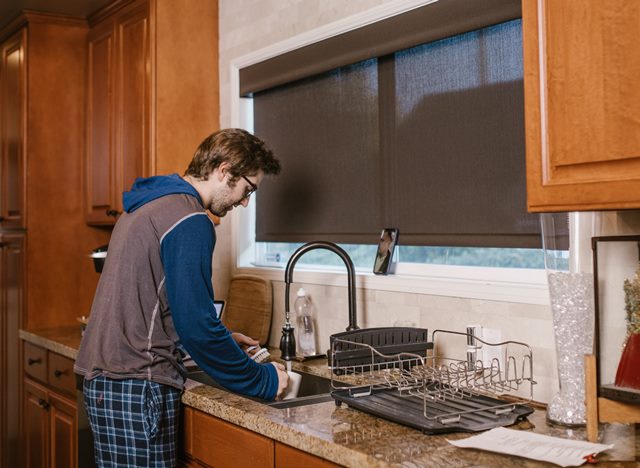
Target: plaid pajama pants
<point>134,422</point>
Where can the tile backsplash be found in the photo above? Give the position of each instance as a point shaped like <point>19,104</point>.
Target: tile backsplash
<point>520,322</point>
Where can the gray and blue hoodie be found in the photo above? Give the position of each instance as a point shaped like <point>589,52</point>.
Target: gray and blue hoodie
<point>155,295</point>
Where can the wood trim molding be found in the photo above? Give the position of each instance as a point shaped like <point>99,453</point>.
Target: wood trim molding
<point>31,16</point>
<point>11,27</point>
<point>107,11</point>
<point>55,18</point>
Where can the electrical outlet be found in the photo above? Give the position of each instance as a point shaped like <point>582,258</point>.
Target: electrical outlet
<point>474,347</point>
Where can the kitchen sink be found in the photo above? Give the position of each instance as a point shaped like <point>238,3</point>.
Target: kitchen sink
<point>313,389</point>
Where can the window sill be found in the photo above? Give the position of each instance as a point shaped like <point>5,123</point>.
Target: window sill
<point>532,291</point>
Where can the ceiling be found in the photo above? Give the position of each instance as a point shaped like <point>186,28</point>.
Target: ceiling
<point>81,8</point>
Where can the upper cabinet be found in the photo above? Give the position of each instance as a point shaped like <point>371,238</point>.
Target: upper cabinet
<point>43,61</point>
<point>582,104</point>
<point>152,95</point>
<point>118,111</point>
<point>13,80</point>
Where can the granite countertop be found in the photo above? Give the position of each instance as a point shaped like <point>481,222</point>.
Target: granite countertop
<point>352,438</point>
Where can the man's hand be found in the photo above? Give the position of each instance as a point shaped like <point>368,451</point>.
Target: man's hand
<point>283,379</point>
<point>248,345</point>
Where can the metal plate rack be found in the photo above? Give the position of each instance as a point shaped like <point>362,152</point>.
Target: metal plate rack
<point>487,386</point>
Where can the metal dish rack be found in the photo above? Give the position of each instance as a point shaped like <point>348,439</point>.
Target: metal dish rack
<point>436,393</point>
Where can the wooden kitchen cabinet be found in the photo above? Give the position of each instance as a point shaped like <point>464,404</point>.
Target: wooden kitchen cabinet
<point>12,284</point>
<point>12,125</point>
<point>42,119</point>
<point>210,441</point>
<point>151,95</point>
<point>50,428</point>
<point>63,431</point>
<point>35,425</point>
<point>582,104</point>
<point>50,420</point>
<point>214,442</point>
<point>118,113</point>
<point>289,457</point>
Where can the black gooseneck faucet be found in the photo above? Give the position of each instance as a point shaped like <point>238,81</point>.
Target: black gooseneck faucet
<point>288,341</point>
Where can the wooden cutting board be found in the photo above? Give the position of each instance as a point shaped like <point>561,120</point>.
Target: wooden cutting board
<point>249,307</point>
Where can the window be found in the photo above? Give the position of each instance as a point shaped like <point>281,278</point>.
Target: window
<point>276,254</point>
<point>436,128</point>
<point>407,77</point>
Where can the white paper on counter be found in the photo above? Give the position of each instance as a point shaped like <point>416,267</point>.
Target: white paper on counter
<point>562,452</point>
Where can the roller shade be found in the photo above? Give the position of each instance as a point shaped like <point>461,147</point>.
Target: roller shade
<point>429,139</point>
<point>429,23</point>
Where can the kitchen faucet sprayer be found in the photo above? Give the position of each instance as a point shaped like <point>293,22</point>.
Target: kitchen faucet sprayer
<point>288,341</point>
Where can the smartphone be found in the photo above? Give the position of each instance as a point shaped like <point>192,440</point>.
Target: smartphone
<point>384,255</point>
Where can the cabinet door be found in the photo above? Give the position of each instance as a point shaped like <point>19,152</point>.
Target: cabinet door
<point>35,425</point>
<point>63,429</point>
<point>100,170</point>
<point>13,111</point>
<point>215,442</point>
<point>133,92</point>
<point>119,110</point>
<point>582,104</point>
<point>12,271</point>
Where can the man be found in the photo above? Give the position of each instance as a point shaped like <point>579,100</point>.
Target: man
<point>155,296</point>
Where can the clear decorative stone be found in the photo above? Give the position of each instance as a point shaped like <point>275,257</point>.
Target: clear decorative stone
<point>572,307</point>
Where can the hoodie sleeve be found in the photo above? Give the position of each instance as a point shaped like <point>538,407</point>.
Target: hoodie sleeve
<point>186,252</point>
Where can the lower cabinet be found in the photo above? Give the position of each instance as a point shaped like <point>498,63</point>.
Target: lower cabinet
<point>12,302</point>
<point>49,426</point>
<point>35,424</point>
<point>210,441</point>
<point>49,417</point>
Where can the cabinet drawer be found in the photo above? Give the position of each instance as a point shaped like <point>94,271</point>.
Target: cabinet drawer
<point>222,444</point>
<point>35,361</point>
<point>289,457</point>
<point>60,375</point>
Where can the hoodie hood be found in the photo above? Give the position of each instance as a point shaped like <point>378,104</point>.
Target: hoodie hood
<point>148,189</point>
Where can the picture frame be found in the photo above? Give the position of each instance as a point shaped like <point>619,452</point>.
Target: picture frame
<point>384,254</point>
<point>616,271</point>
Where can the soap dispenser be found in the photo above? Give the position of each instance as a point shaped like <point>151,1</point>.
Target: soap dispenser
<point>306,333</point>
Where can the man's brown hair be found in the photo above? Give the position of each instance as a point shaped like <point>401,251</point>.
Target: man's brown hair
<point>245,153</point>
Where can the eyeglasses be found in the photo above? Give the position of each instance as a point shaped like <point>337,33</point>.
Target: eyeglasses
<point>249,191</point>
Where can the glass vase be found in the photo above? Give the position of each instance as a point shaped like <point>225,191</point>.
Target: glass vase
<point>568,263</point>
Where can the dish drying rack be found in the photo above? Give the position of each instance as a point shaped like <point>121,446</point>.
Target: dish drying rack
<point>436,393</point>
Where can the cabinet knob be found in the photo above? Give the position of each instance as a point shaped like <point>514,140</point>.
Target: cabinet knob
<point>57,373</point>
<point>43,404</point>
<point>32,361</point>
<point>113,213</point>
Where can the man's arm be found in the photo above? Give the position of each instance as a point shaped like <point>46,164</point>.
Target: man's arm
<point>186,252</point>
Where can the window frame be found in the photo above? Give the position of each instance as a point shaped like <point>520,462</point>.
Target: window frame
<point>515,285</point>
<point>526,286</point>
